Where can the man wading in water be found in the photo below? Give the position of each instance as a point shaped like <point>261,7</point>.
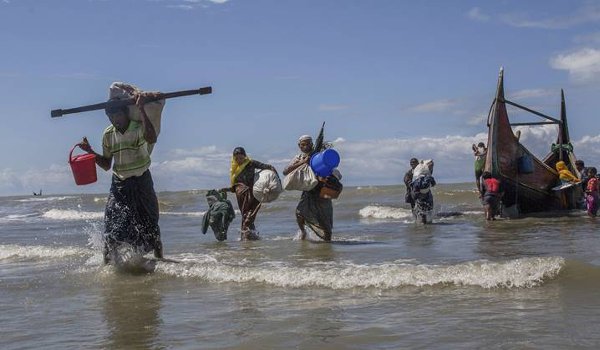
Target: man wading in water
<point>314,211</point>
<point>131,214</point>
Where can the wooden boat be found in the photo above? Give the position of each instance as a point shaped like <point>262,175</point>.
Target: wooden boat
<point>528,181</point>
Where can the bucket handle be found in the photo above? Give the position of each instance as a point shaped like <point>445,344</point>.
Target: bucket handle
<point>71,152</point>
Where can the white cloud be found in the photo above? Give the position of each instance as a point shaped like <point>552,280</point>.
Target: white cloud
<point>583,65</point>
<point>585,14</point>
<point>531,93</point>
<point>378,161</point>
<point>434,106</point>
<point>478,119</point>
<point>477,15</point>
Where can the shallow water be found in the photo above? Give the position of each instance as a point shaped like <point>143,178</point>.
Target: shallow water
<point>384,282</point>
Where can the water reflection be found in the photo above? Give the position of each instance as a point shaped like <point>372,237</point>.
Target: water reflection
<point>131,311</point>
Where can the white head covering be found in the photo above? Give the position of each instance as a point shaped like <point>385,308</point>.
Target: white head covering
<point>305,138</point>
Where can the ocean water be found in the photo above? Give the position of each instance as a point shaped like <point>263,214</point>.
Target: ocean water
<point>384,283</point>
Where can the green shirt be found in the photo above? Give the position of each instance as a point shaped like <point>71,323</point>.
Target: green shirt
<point>130,151</point>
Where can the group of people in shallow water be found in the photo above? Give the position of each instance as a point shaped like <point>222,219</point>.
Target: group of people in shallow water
<point>132,211</point>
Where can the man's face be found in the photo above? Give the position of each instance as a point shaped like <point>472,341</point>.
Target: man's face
<point>414,164</point>
<point>119,120</point>
<point>305,146</point>
<point>579,167</point>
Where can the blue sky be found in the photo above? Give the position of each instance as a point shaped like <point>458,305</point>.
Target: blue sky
<point>392,79</point>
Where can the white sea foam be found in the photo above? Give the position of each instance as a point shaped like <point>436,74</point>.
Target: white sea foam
<point>43,199</point>
<point>72,215</point>
<point>16,217</point>
<point>384,212</point>
<point>519,273</point>
<point>190,213</point>
<point>20,252</point>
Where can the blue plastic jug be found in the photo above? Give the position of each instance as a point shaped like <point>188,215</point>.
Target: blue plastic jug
<point>324,162</point>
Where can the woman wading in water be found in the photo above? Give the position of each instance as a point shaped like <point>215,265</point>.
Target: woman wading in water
<point>242,181</point>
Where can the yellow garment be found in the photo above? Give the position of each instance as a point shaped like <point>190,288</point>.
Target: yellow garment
<point>564,174</point>
<point>237,169</point>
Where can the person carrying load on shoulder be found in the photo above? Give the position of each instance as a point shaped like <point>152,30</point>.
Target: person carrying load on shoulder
<point>420,190</point>
<point>492,193</point>
<point>132,212</point>
<point>564,174</point>
<point>242,175</point>
<point>408,177</point>
<point>592,192</point>
<point>480,153</point>
<point>315,208</point>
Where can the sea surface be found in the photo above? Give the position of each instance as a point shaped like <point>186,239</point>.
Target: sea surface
<point>383,283</point>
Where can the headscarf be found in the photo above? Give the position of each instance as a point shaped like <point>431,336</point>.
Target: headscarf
<point>236,168</point>
<point>305,138</point>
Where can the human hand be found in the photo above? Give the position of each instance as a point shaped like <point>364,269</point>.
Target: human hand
<point>85,145</point>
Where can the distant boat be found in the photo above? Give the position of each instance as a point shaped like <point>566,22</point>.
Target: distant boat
<point>528,181</point>
<point>37,194</point>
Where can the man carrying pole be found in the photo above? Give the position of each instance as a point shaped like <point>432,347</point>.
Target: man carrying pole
<point>131,214</point>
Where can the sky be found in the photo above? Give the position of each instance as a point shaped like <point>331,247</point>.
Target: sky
<point>391,79</point>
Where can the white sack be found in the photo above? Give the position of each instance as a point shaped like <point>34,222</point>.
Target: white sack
<point>301,179</point>
<point>267,186</point>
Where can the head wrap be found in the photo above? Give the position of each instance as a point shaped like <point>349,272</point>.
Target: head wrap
<point>305,138</point>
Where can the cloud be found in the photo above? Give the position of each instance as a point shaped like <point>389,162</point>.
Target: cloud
<point>478,119</point>
<point>477,15</point>
<point>364,162</point>
<point>531,93</point>
<point>188,5</point>
<point>332,108</point>
<point>434,106</point>
<point>590,12</point>
<point>583,65</point>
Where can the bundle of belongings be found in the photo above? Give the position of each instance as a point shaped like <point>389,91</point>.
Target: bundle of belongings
<point>301,179</point>
<point>421,190</point>
<point>219,215</point>
<point>267,186</point>
<point>124,91</point>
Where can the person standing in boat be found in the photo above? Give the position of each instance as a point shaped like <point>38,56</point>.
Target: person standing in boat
<point>242,182</point>
<point>132,213</point>
<point>480,152</point>
<point>313,210</point>
<point>492,192</point>
<point>408,177</point>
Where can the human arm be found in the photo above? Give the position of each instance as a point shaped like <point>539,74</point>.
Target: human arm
<point>295,165</point>
<point>263,166</point>
<point>102,161</point>
<point>147,127</point>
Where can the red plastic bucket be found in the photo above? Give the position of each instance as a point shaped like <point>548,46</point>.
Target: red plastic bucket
<point>83,167</point>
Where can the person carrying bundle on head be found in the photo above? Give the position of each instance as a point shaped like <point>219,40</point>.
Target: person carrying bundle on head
<point>132,212</point>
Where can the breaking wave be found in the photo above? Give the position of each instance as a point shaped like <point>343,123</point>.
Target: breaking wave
<point>72,215</point>
<point>384,212</point>
<point>18,252</point>
<point>519,273</point>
